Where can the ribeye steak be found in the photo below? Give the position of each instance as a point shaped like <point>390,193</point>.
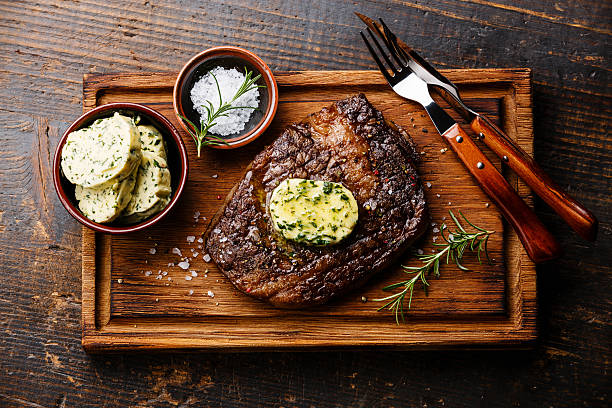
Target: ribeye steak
<point>348,142</point>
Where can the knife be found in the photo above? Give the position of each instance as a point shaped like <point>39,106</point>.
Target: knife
<point>573,213</point>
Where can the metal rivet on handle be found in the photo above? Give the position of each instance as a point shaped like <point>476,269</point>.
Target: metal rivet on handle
<point>480,165</point>
<point>481,135</point>
<point>505,158</point>
<point>459,139</point>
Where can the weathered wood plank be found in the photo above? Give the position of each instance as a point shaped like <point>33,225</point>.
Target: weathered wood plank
<point>566,43</point>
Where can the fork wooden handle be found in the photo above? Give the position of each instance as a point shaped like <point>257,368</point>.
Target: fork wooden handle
<point>538,241</point>
<point>575,214</point>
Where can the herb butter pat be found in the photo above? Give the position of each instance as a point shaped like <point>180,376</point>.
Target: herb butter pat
<point>312,211</point>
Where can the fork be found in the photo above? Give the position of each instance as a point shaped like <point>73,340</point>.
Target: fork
<point>538,241</point>
<point>576,215</point>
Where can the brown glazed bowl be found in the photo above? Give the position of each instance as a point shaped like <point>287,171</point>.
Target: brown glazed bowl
<point>227,57</point>
<point>177,164</point>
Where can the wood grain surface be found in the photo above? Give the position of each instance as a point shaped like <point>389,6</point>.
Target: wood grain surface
<point>47,46</point>
<point>127,307</point>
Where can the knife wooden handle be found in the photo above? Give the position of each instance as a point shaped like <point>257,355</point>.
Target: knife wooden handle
<point>538,241</point>
<point>575,214</point>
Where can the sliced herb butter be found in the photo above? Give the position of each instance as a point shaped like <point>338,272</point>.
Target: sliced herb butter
<point>152,190</point>
<point>152,141</point>
<point>313,212</point>
<point>107,150</point>
<point>104,204</point>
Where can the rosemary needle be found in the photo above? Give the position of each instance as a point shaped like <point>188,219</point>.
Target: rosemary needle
<point>200,135</point>
<point>456,243</point>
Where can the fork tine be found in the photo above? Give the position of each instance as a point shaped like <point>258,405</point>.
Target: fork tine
<point>385,37</point>
<point>381,67</point>
<point>383,53</point>
<point>391,40</point>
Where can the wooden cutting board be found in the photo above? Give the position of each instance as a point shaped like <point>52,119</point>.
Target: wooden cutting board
<point>127,307</point>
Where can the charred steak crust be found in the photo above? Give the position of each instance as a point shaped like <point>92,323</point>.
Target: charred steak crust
<point>351,143</point>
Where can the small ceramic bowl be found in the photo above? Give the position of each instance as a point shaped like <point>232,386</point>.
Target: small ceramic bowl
<point>177,164</point>
<point>227,57</point>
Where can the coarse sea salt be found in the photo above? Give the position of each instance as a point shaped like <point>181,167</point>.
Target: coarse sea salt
<point>206,92</point>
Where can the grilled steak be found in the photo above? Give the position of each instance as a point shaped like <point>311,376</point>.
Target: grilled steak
<point>351,143</point>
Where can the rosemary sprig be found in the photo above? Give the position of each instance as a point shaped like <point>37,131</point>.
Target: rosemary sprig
<point>200,135</point>
<point>456,243</point>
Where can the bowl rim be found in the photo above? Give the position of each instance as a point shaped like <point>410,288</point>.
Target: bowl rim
<point>77,124</point>
<point>248,56</point>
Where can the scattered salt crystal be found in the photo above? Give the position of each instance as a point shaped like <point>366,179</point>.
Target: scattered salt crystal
<point>200,240</point>
<point>148,273</point>
<point>420,251</point>
<point>188,277</point>
<point>211,294</point>
<point>119,280</point>
<point>436,230</point>
<point>443,218</point>
<point>222,239</point>
<point>487,205</point>
<point>450,236</point>
<point>434,239</point>
<point>433,224</point>
<point>438,195</point>
<point>194,273</point>
<point>164,273</point>
<point>190,238</point>
<point>191,291</point>
<point>206,258</point>
<point>217,304</point>
<point>215,176</point>
<point>170,263</point>
<point>449,203</point>
<point>216,230</point>
<point>390,191</point>
<point>195,254</point>
<point>169,278</point>
<point>428,184</point>
<point>443,150</point>
<point>152,251</point>
<point>199,246</point>
<point>183,265</point>
<point>196,214</point>
<point>158,277</point>
<point>157,299</point>
<point>177,251</point>
<point>192,249</point>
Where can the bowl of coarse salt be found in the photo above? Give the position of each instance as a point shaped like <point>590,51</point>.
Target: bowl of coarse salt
<point>225,96</point>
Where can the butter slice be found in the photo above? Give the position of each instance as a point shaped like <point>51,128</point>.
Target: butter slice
<point>105,152</point>
<point>152,141</point>
<point>104,204</point>
<point>313,212</point>
<point>152,191</point>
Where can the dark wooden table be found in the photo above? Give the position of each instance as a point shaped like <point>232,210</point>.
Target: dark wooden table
<point>47,46</point>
